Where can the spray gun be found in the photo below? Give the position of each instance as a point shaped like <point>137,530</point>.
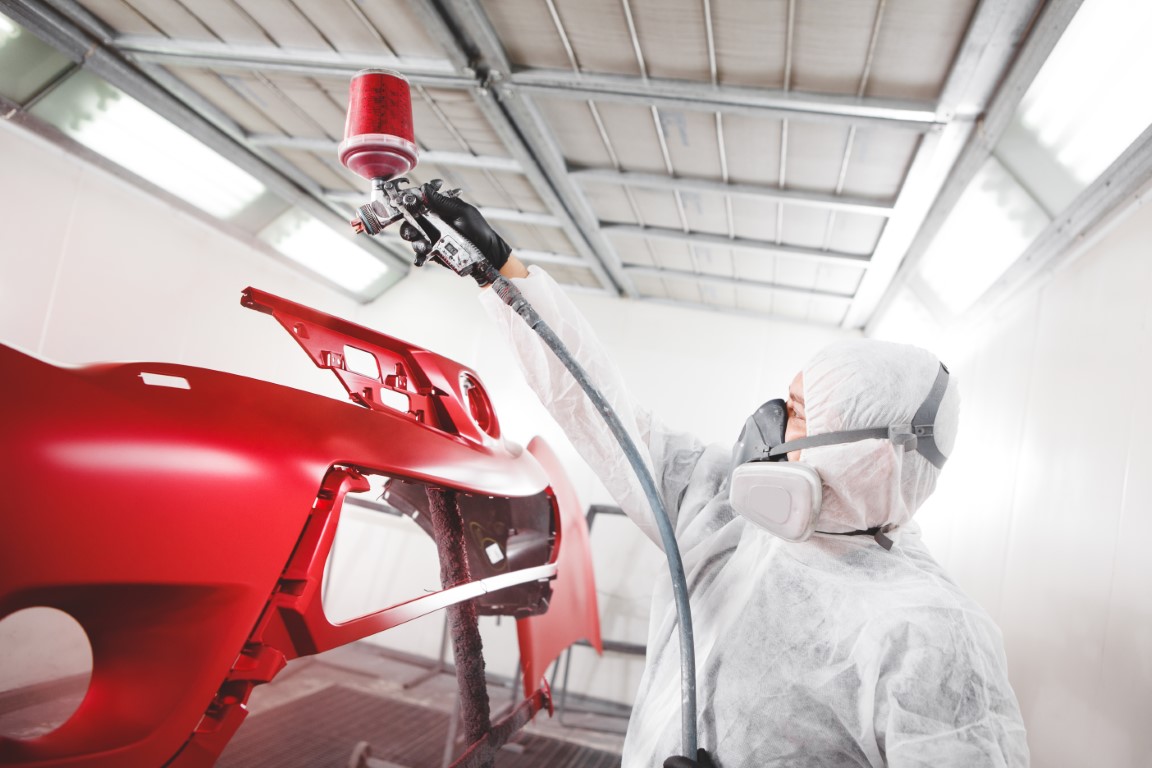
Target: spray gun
<point>379,145</point>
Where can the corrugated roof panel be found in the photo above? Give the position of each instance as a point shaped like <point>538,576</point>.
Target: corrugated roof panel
<point>692,142</point>
<point>633,250</point>
<point>752,145</point>
<point>528,34</point>
<point>632,133</point>
<point>431,131</point>
<point>830,45</point>
<point>313,101</point>
<point>236,104</point>
<point>658,208</point>
<point>838,279</point>
<point>672,38</point>
<point>274,104</point>
<point>677,256</point>
<point>751,37</point>
<point>754,219</point>
<point>173,19</point>
<point>479,187</point>
<point>705,213</point>
<point>401,28</point>
<point>754,265</point>
<point>804,226</point>
<point>555,240</point>
<point>459,108</point>
<point>316,169</point>
<point>815,154</point>
<point>344,26</point>
<point>575,130</point>
<point>528,237</point>
<point>856,233</point>
<point>796,271</point>
<point>518,191</point>
<point>598,33</point>
<point>121,16</point>
<point>229,23</point>
<point>710,260</point>
<point>879,162</point>
<point>284,23</point>
<point>917,45</point>
<point>610,202</point>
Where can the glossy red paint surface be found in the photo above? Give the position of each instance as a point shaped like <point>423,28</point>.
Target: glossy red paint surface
<point>184,516</point>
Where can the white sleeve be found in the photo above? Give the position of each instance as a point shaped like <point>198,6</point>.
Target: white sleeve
<point>570,406</point>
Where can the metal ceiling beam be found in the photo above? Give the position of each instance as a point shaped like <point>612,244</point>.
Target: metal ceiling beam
<point>469,40</point>
<point>715,187</point>
<point>81,41</point>
<point>730,282</point>
<point>706,97</point>
<point>744,244</point>
<point>329,147</point>
<point>976,85</point>
<point>300,61</point>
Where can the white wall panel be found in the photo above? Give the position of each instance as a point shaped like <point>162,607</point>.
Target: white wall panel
<point>37,209</point>
<point>1046,511</point>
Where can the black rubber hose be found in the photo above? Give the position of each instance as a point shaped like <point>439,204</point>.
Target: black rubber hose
<point>511,296</point>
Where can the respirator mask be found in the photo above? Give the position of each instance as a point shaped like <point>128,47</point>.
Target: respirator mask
<point>784,497</point>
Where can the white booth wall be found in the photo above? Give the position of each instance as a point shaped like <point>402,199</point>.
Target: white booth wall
<point>1044,512</point>
<point>92,268</point>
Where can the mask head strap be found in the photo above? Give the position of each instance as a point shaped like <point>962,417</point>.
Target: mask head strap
<point>918,436</point>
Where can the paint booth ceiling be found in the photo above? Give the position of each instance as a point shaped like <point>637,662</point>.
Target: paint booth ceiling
<point>765,156</point>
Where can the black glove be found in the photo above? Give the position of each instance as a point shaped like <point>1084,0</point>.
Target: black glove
<point>466,220</point>
<point>703,760</point>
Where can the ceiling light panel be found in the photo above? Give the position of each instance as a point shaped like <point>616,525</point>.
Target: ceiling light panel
<point>314,245</point>
<point>1087,103</point>
<point>989,227</point>
<point>109,122</point>
<point>26,63</point>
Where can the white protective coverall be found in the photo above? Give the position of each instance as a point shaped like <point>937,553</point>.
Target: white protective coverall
<point>829,652</point>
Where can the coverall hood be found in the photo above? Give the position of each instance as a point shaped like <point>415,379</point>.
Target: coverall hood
<point>863,383</point>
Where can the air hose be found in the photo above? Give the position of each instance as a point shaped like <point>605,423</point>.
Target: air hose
<point>511,296</point>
